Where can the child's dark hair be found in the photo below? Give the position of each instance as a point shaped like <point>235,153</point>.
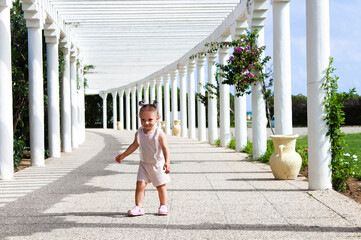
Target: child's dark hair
<point>149,107</point>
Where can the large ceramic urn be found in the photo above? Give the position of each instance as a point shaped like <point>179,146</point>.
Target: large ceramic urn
<point>176,128</point>
<point>285,162</point>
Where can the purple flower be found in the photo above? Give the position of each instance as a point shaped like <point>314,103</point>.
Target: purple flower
<point>271,80</point>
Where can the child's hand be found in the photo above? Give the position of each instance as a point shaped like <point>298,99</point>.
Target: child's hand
<point>166,168</point>
<point>119,158</point>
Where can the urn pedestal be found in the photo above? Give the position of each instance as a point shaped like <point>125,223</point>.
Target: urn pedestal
<point>285,162</point>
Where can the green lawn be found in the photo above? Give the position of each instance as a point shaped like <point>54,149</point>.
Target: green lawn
<point>353,148</point>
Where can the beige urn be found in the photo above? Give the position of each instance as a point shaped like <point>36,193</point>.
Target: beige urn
<point>176,130</point>
<point>163,126</point>
<point>285,162</point>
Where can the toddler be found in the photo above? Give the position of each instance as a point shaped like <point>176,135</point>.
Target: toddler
<point>154,164</point>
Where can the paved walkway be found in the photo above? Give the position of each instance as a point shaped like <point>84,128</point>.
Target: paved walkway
<point>214,194</point>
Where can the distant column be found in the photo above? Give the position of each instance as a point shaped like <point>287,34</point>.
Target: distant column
<point>6,98</point>
<point>318,54</point>
<point>52,39</point>
<point>36,83</point>
<point>259,121</point>
<point>134,108</point>
<point>105,119</point>
<point>240,106</point>
<point>121,109</point>
<point>159,97</point>
<point>166,103</point>
<point>282,67</point>
<point>212,100</point>
<point>224,118</point>
<point>114,97</point>
<point>183,99</point>
<point>74,98</point>
<point>139,98</point>
<point>191,100</point>
<point>127,109</point>
<point>174,86</point>
<point>152,90</point>
<point>201,108</point>
<point>65,99</point>
<point>146,92</point>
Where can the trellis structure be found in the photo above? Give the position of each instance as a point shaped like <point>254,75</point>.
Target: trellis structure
<point>138,45</point>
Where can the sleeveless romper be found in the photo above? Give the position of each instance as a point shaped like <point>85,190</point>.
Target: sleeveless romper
<point>151,159</point>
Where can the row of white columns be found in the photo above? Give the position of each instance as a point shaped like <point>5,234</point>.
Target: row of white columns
<point>72,108</point>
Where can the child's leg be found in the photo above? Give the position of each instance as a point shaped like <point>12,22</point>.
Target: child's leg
<point>139,193</point>
<point>163,195</point>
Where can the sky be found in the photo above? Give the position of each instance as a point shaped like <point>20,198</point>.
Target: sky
<point>345,37</point>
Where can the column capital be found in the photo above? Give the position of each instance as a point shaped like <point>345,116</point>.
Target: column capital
<point>114,94</point>
<point>224,50</point>
<point>212,57</point>
<point>182,69</point>
<point>191,65</point>
<point>121,92</point>
<point>201,60</point>
<point>237,29</point>
<point>127,91</point>
<point>152,82</point>
<point>166,77</point>
<point>146,84</point>
<point>73,54</point>
<point>159,80</point>
<point>51,33</point>
<point>33,14</point>
<point>103,95</point>
<point>173,74</point>
<point>139,87</point>
<point>134,88</point>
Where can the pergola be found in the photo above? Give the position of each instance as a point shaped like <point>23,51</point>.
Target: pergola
<point>136,45</point>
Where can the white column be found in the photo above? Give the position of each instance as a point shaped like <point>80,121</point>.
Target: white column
<point>121,109</point>
<point>240,105</point>
<point>224,118</point>
<point>127,109</point>
<point>74,99</point>
<point>191,100</point>
<point>53,91</point>
<point>134,108</point>
<point>6,99</point>
<point>183,99</point>
<point>81,106</point>
<point>282,67</point>
<point>259,120</point>
<point>115,117</point>
<point>166,103</point>
<point>201,108</point>
<point>159,97</point>
<point>65,100</point>
<point>146,92</point>
<point>318,53</point>
<point>140,98</point>
<point>36,91</point>
<point>212,100</point>
<point>174,86</point>
<point>152,90</point>
<point>105,118</point>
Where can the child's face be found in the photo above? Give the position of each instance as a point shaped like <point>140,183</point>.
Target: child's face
<point>148,119</point>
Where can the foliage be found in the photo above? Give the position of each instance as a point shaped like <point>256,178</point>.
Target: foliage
<point>18,150</point>
<point>341,169</point>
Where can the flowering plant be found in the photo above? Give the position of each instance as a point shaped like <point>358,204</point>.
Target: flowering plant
<point>245,66</point>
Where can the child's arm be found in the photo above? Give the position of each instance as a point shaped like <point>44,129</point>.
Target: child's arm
<point>164,145</point>
<point>129,150</point>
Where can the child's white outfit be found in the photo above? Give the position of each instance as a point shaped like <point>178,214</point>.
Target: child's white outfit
<point>151,159</point>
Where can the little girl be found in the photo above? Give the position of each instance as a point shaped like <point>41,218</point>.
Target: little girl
<point>154,164</point>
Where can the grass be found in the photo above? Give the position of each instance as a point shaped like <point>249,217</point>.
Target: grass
<point>353,148</point>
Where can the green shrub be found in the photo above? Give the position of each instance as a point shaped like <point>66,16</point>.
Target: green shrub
<point>18,150</point>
